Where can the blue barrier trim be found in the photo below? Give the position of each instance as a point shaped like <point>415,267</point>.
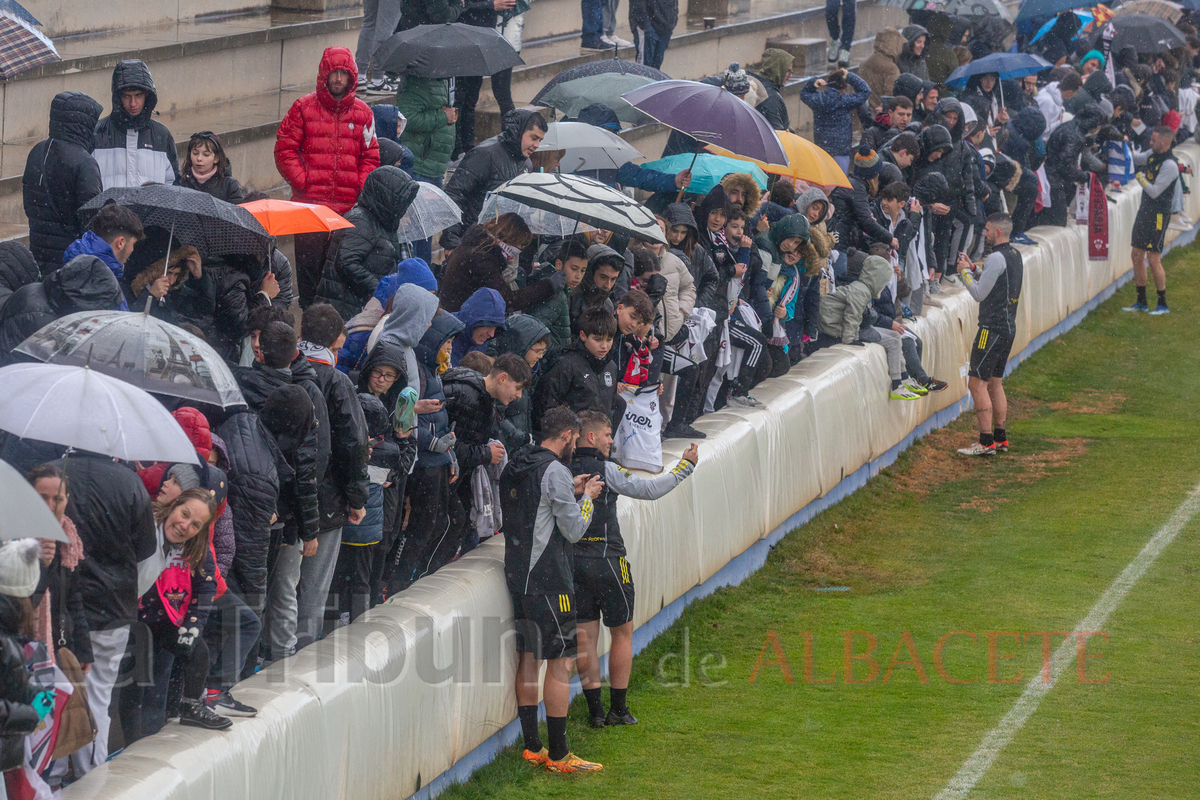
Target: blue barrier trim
<point>752,558</point>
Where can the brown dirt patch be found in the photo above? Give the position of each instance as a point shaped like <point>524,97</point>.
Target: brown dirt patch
<point>983,504</point>
<point>1091,401</point>
<point>935,461</point>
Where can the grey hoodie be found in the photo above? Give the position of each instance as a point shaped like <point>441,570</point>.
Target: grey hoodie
<point>412,311</point>
<point>810,196</point>
<point>842,311</point>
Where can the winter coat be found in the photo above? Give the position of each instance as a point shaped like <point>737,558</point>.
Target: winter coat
<point>474,415</point>
<point>254,481</point>
<point>67,624</point>
<point>345,483</point>
<point>906,61</point>
<point>85,284</point>
<point>842,311</point>
<point>224,541</point>
<point>17,268</point>
<point>484,308</point>
<point>18,717</point>
<point>189,300</point>
<point>880,70</point>
<point>661,15</point>
<point>1068,159</point>
<point>478,263</point>
<point>131,151</point>
<point>359,257</point>
<point>224,187</point>
<point>435,424</point>
<point>428,12</point>
<point>1024,144</point>
<point>773,74</point>
<point>853,219</point>
<point>485,167</point>
<point>60,176</point>
<point>326,148</point>
<point>152,612</point>
<point>554,312</point>
<point>427,133</point>
<point>236,281</point>
<point>832,126</point>
<point>960,166</point>
<point>579,380</point>
<point>680,297</point>
<point>939,58</point>
<point>521,332</point>
<point>704,273</point>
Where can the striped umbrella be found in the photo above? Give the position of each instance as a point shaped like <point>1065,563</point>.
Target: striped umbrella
<point>22,47</point>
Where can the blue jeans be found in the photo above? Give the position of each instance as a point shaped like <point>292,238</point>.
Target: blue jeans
<point>651,47</point>
<point>593,20</point>
<point>424,248</point>
<point>231,632</point>
<point>846,33</point>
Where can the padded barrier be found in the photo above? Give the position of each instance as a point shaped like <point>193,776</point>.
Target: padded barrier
<point>418,692</point>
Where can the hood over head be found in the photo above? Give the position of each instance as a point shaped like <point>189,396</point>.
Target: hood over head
<point>412,310</point>
<point>810,196</point>
<point>133,74</point>
<point>483,308</point>
<point>793,226</point>
<point>1030,123</point>
<point>379,422</point>
<point>908,85</point>
<point>603,254</point>
<point>521,332</point>
<point>416,271</point>
<point>750,189</point>
<point>515,124</point>
<point>776,64</point>
<point>932,187</point>
<point>443,328</point>
<point>890,43</point>
<point>601,116</point>
<point>391,152</point>
<point>85,283</point>
<point>196,426</point>
<point>679,214</point>
<point>1123,96</point>
<point>935,137</point>
<point>1097,84</point>
<point>73,118</point>
<point>716,199</point>
<point>950,104</point>
<point>876,274</point>
<point>912,32</point>
<point>335,58</point>
<point>386,195</point>
<point>1089,117</point>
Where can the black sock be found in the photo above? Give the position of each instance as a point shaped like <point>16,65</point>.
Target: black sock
<point>986,439</point>
<point>1141,294</point>
<point>616,700</point>
<point>1162,297</point>
<point>529,727</point>
<point>895,385</point>
<point>556,728</point>
<point>903,376</point>
<point>595,705</point>
<point>998,435</point>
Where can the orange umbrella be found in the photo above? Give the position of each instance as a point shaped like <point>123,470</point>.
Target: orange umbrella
<point>283,217</point>
<point>806,162</point>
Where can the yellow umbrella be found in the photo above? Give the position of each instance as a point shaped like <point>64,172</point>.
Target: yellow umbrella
<point>806,161</point>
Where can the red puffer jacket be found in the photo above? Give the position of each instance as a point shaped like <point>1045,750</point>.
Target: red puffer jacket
<point>325,148</point>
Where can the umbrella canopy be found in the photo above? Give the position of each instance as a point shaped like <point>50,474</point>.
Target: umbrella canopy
<point>588,147</point>
<point>708,170</point>
<point>608,66</point>
<point>586,200</point>
<point>284,217</point>
<point>212,226</point>
<point>26,515</point>
<point>1144,33</point>
<point>447,51</point>
<point>430,212</point>
<point>138,349</point>
<point>1006,65</point>
<point>806,162</point>
<point>1042,9</point>
<point>574,89</point>
<point>540,221</point>
<point>712,115</point>
<point>22,47</point>
<point>955,8</point>
<point>1171,12</point>
<point>78,407</point>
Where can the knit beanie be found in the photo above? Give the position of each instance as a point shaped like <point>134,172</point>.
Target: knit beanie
<point>735,79</point>
<point>1089,55</point>
<point>185,475</point>
<point>867,163</point>
<point>19,571</point>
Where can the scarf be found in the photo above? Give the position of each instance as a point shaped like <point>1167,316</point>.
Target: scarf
<point>637,369</point>
<point>69,555</point>
<point>317,354</point>
<point>718,237</point>
<point>779,336</point>
<point>203,177</point>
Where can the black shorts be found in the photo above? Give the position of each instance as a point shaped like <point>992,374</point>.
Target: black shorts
<point>989,353</point>
<point>545,625</point>
<point>1150,231</point>
<point>604,588</point>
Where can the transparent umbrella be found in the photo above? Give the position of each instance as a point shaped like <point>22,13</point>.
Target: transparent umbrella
<point>540,222</point>
<point>26,515</point>
<point>431,211</point>
<point>588,147</point>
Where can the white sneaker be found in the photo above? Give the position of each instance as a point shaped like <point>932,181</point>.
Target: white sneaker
<point>622,42</point>
<point>835,51</point>
<point>978,449</point>
<point>1181,222</point>
<point>902,392</point>
<point>744,401</point>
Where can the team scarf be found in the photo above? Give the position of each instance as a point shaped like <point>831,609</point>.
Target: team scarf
<point>317,354</point>
<point>637,369</point>
<point>1097,222</point>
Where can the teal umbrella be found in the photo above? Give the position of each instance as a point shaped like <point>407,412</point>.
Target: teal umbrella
<point>707,170</point>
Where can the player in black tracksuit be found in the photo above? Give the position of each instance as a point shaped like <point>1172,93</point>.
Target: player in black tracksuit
<point>542,520</point>
<point>603,578</point>
<point>997,287</point>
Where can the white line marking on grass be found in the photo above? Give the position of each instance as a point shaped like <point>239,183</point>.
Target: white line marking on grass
<point>974,768</point>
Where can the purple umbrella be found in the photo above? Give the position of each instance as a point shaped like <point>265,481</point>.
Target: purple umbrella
<point>711,114</point>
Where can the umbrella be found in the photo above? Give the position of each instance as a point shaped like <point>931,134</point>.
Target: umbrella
<point>1006,65</point>
<point>588,147</point>
<point>707,169</point>
<point>284,217</point>
<point>574,89</point>
<point>431,211</point>
<point>1171,12</point>
<point>954,8</point>
<point>586,200</point>
<point>540,222</point>
<point>138,349</point>
<point>447,51</point>
<point>26,515</point>
<point>609,67</point>
<point>1084,15</point>
<point>806,162</point>
<point>711,114</point>
<point>1041,9</point>
<point>212,226</point>
<point>78,407</point>
<point>1144,33</point>
<point>19,11</point>
<point>22,47</point>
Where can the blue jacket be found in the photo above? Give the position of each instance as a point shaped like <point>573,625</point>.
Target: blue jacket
<point>832,126</point>
<point>370,530</point>
<point>432,426</point>
<point>92,245</point>
<point>484,307</point>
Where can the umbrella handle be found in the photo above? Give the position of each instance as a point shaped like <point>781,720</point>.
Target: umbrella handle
<point>166,264</point>
<point>679,197</point>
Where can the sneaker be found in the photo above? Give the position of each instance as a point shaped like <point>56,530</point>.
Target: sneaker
<point>593,45</point>
<point>1001,447</point>
<point>384,85</point>
<point>596,722</point>
<point>681,431</point>
<point>844,58</point>
<point>1022,238</point>
<point>933,288</point>
<point>572,763</point>
<point>1137,307</point>
<point>199,715</point>
<point>978,449</point>
<point>902,392</point>
<point>541,757</point>
<point>835,51</point>
<point>615,41</point>
<point>934,385</point>
<point>744,401</point>
<point>224,704</point>
<point>1159,310</point>
<point>615,719</point>
<point>916,387</point>
<point>1181,222</point>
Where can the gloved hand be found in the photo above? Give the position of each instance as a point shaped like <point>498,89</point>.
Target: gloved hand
<point>186,640</point>
<point>1141,178</point>
<point>43,704</point>
<point>559,280</point>
<point>444,442</point>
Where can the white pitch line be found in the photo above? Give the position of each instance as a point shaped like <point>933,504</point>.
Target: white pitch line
<point>974,768</point>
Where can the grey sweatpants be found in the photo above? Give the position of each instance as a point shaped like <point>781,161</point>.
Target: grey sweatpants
<point>380,18</point>
<point>891,346</point>
<point>298,594</point>
<point>609,9</point>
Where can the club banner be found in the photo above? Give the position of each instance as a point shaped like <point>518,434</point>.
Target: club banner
<point>1097,222</point>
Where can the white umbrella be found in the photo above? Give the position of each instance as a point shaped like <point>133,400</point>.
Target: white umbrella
<point>540,222</point>
<point>584,199</point>
<point>26,515</point>
<point>588,147</point>
<point>431,211</point>
<point>79,407</point>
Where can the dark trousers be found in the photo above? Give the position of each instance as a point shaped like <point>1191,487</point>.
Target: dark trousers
<point>1027,191</point>
<point>230,634</point>
<point>1061,198</point>
<point>433,534</point>
<point>144,708</point>
<point>351,589</point>
<point>651,46</point>
<point>310,259</point>
<point>466,97</point>
<point>849,13</point>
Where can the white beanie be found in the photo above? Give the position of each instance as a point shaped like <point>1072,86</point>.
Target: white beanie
<point>19,572</point>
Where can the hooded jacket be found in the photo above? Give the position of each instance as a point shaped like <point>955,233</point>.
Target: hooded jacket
<point>484,308</point>
<point>85,284</point>
<point>427,133</point>
<point>485,167</point>
<point>959,165</point>
<point>819,237</point>
<point>705,278</point>
<point>939,57</point>
<point>478,263</point>
<point>680,297</point>
<point>587,294</point>
<point>326,147</point>
<point>413,308</point>
<point>1024,143</point>
<point>580,381</point>
<point>842,311</point>
<point>1094,88</point>
<point>1068,159</point>
<point>776,64</point>
<point>661,15</point>
<point>435,424</point>
<point>474,414</point>
<point>345,483</point>
<point>359,257</point>
<point>131,151</point>
<point>17,268</point>
<point>60,176</point>
<point>832,125</point>
<point>906,61</point>
<point>853,219</point>
<point>521,332</point>
<point>236,282</point>
<point>793,226</point>
<point>880,70</point>
<point>250,459</point>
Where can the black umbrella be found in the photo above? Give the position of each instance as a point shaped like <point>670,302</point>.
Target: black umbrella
<point>1144,33</point>
<point>446,51</point>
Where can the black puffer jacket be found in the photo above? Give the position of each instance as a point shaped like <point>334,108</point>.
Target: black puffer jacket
<point>358,257</point>
<point>1024,131</point>
<point>345,484</point>
<point>661,15</point>
<point>473,412</point>
<point>1068,159</point>
<point>853,220</point>
<point>704,272</point>
<point>17,714</point>
<point>224,188</point>
<point>521,332</point>
<point>237,280</point>
<point>253,497</point>
<point>959,166</point>
<point>60,176</point>
<point>85,284</point>
<point>111,510</point>
<point>17,268</point>
<point>485,167</point>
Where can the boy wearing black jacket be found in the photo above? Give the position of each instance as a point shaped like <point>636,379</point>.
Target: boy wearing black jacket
<point>586,375</point>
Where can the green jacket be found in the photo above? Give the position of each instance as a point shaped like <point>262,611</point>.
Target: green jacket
<point>427,133</point>
<point>554,313</point>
